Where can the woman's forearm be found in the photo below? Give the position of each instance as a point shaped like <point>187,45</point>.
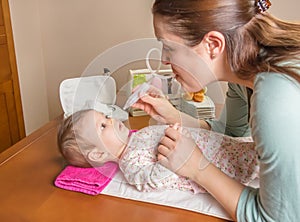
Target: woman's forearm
<point>179,153</point>
<point>204,124</point>
<point>188,121</point>
<point>223,188</point>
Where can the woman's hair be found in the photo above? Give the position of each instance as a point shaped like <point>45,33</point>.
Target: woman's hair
<point>256,41</point>
<point>70,143</point>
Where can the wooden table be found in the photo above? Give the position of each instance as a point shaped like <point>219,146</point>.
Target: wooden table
<point>27,193</point>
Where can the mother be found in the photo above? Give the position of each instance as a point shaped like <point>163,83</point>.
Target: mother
<point>239,42</point>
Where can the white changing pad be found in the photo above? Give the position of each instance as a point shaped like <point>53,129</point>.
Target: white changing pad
<point>200,203</point>
<point>91,92</point>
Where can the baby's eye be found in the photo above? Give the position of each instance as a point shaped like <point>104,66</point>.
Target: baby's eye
<point>107,117</point>
<point>102,126</point>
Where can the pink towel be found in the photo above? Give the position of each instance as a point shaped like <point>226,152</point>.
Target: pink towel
<point>86,180</point>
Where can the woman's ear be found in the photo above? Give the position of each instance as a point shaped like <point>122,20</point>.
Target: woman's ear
<point>214,43</point>
<point>97,156</point>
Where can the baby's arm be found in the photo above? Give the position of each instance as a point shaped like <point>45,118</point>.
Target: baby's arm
<point>140,167</point>
<point>236,157</point>
<point>145,174</point>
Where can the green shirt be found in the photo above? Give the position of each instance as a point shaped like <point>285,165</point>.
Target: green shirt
<point>275,124</point>
<point>234,119</point>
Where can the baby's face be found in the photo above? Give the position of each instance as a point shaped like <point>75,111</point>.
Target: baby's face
<point>107,134</point>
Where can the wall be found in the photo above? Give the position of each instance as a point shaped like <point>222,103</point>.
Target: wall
<point>74,32</point>
<point>26,25</point>
<point>287,9</point>
<point>57,39</point>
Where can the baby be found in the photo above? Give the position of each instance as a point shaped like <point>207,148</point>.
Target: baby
<point>89,138</point>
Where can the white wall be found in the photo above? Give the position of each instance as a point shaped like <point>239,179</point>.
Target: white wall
<point>26,25</point>
<point>74,32</point>
<point>57,39</point>
<point>286,9</point>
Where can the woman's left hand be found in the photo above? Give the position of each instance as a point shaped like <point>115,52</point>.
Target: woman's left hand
<point>179,152</point>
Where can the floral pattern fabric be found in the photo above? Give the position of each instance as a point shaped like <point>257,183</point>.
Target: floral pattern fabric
<point>236,157</point>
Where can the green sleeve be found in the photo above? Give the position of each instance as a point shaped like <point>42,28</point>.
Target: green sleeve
<point>275,124</point>
<point>234,117</point>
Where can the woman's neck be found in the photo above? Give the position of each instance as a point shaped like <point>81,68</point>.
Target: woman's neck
<point>223,70</point>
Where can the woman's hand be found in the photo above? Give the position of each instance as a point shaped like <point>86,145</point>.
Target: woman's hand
<point>158,107</point>
<point>179,152</point>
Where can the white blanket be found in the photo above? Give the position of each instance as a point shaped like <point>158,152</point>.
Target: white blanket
<point>201,203</point>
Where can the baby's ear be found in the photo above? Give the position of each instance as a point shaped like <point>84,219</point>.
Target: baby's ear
<point>97,156</point>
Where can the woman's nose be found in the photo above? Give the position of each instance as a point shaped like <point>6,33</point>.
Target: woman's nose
<point>165,59</point>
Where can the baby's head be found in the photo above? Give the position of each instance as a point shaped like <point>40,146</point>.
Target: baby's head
<point>89,138</point>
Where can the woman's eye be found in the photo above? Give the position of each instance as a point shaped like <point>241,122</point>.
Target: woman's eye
<point>107,117</point>
<point>102,126</point>
<point>167,49</point>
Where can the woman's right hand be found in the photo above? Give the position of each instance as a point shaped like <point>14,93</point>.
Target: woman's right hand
<point>155,103</point>
<point>178,152</point>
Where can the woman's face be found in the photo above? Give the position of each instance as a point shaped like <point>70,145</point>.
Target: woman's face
<point>189,64</point>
